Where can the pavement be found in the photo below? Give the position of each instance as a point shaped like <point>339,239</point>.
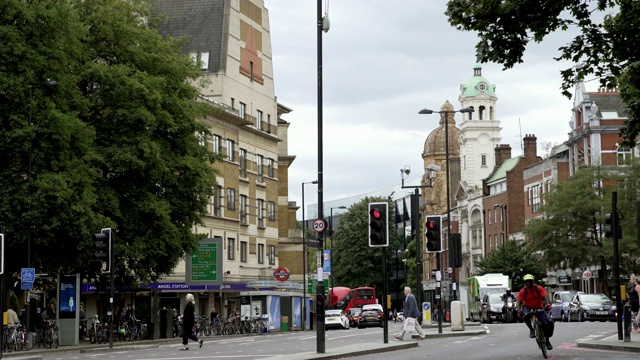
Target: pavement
<point>612,342</point>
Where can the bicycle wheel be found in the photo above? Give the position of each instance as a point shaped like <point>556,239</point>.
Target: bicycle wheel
<point>92,335</point>
<point>143,332</point>
<point>540,339</point>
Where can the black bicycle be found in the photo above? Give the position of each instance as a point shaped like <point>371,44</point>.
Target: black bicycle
<point>539,331</point>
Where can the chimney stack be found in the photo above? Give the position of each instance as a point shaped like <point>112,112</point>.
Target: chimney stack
<point>530,146</point>
<point>502,153</point>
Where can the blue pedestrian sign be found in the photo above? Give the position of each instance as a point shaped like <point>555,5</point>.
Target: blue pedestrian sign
<point>28,275</point>
<point>26,285</point>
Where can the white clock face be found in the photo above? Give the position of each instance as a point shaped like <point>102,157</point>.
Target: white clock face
<point>482,87</point>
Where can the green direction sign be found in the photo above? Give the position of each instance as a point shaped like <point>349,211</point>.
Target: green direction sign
<point>312,283</point>
<point>204,265</point>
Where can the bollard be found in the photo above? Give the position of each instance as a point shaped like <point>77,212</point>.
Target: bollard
<point>627,322</point>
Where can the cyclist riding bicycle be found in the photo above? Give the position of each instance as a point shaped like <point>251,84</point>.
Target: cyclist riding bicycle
<point>532,297</point>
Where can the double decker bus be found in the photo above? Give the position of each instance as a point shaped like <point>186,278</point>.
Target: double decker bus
<point>344,298</point>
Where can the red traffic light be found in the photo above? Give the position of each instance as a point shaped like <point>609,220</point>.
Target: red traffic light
<point>431,225</point>
<point>376,213</point>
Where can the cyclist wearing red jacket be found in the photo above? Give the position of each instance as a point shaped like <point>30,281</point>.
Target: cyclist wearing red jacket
<point>532,297</point>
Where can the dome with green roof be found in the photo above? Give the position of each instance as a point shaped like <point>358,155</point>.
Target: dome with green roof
<point>477,85</point>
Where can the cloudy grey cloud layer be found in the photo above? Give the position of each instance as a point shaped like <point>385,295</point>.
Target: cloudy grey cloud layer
<point>383,62</point>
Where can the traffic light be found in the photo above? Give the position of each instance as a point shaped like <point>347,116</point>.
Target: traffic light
<point>455,250</point>
<point>432,233</point>
<point>378,224</point>
<point>1,253</point>
<point>103,249</point>
<point>613,222</point>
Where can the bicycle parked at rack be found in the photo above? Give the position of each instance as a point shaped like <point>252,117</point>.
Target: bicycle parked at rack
<point>48,334</point>
<point>138,329</point>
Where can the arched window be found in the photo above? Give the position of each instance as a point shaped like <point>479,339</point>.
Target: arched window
<point>624,154</point>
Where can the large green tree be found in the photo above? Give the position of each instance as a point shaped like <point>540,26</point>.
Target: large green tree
<point>354,262</point>
<point>607,44</point>
<point>112,145</point>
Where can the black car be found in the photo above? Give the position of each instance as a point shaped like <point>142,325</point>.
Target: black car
<point>370,318</point>
<point>592,307</point>
<point>491,309</point>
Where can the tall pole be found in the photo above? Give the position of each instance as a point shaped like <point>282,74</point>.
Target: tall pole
<point>304,265</point>
<point>415,225</point>
<point>320,302</point>
<point>446,145</point>
<point>616,261</point>
<point>331,286</point>
<point>29,194</point>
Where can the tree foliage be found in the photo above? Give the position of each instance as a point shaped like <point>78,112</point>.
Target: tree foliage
<point>112,145</point>
<point>514,259</point>
<point>354,262</point>
<point>607,45</point>
<point>571,232</point>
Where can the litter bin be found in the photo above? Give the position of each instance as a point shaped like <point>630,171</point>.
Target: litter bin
<point>284,321</point>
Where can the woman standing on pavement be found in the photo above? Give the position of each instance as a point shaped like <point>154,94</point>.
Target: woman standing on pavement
<point>188,320</point>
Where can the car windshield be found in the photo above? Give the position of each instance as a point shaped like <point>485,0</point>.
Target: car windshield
<point>370,313</point>
<point>594,298</point>
<point>495,298</point>
<point>567,297</point>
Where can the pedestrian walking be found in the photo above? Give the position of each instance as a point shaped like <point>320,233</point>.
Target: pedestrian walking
<point>634,292</point>
<point>410,314</point>
<point>188,320</point>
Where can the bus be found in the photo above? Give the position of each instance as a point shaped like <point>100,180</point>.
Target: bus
<point>353,298</point>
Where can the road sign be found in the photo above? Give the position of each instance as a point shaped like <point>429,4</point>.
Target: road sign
<point>319,225</point>
<point>313,243</point>
<point>28,275</point>
<point>26,285</point>
<point>204,264</point>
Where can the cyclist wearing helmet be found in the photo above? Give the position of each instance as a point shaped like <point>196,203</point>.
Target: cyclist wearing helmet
<point>532,297</point>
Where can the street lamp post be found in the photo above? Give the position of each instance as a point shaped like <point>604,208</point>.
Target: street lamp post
<point>331,247</point>
<point>447,172</point>
<point>304,260</point>
<point>49,84</point>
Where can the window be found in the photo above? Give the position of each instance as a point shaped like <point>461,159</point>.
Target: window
<point>243,251</point>
<point>489,217</point>
<point>272,255</point>
<point>243,109</point>
<point>624,155</point>
<point>271,211</point>
<point>483,159</point>
<point>260,212</point>
<point>268,123</point>
<point>230,149</point>
<point>535,198</point>
<point>489,242</point>
<point>243,209</point>
<point>270,168</point>
<point>231,199</point>
<point>201,58</point>
<point>231,248</point>
<point>260,162</point>
<point>259,120</point>
<point>217,194</point>
<point>243,162</point>
<point>216,144</point>
<point>260,253</point>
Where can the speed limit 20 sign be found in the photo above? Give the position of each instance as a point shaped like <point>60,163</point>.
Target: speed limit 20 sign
<point>319,225</point>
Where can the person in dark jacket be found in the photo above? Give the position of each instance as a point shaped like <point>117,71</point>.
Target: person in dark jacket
<point>188,320</point>
<point>411,310</point>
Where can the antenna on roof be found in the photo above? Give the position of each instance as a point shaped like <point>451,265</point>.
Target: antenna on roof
<point>521,144</point>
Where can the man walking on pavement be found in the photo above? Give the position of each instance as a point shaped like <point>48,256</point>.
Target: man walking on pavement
<point>411,311</point>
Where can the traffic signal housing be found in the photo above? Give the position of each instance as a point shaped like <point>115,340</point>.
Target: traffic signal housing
<point>103,249</point>
<point>433,233</point>
<point>613,222</point>
<point>378,224</point>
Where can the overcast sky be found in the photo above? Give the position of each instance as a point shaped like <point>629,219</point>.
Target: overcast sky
<point>382,63</point>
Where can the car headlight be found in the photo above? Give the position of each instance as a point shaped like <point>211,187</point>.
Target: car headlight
<point>614,308</point>
<point>585,307</point>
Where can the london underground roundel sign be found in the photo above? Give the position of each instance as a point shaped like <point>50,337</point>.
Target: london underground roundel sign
<point>281,274</point>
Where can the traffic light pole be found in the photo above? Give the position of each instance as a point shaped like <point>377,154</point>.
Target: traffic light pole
<point>615,221</point>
